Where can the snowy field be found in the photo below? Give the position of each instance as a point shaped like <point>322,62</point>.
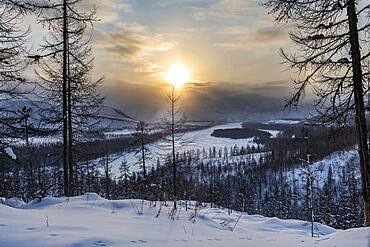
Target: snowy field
<point>90,220</point>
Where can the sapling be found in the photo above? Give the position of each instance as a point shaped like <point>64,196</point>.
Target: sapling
<point>47,220</point>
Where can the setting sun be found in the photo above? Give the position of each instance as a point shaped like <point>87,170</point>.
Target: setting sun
<point>178,75</point>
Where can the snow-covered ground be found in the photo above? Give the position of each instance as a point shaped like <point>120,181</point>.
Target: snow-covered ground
<point>119,133</point>
<point>253,157</point>
<point>40,140</point>
<point>283,121</point>
<point>34,140</point>
<point>336,161</point>
<point>274,133</point>
<point>127,132</point>
<point>90,220</point>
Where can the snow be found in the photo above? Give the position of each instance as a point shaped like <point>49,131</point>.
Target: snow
<point>117,133</point>
<point>127,132</point>
<point>283,121</point>
<point>14,202</point>
<point>202,139</point>
<point>35,140</point>
<point>10,153</point>
<point>42,140</point>
<point>90,220</point>
<point>253,157</point>
<point>191,140</point>
<point>274,133</point>
<point>337,161</point>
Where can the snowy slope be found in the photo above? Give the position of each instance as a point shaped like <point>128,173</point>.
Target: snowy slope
<point>336,161</point>
<point>90,220</point>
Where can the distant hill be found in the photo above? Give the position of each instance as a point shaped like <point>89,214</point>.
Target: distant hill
<point>112,118</point>
<point>107,117</point>
<point>113,113</point>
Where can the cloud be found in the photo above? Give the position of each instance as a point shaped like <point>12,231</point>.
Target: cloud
<point>225,9</point>
<point>108,10</point>
<point>196,31</point>
<point>204,101</point>
<point>184,3</point>
<point>134,45</point>
<point>263,36</point>
<point>280,88</point>
<point>236,101</point>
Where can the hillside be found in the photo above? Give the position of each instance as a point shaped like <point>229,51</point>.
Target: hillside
<point>112,118</point>
<point>90,220</point>
<point>107,116</point>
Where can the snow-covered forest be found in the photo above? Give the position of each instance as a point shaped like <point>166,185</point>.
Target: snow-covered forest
<point>182,163</point>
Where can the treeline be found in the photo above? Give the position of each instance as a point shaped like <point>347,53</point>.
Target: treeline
<point>255,185</point>
<point>246,186</point>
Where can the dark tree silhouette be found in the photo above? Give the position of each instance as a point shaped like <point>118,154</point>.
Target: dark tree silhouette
<point>173,123</point>
<point>65,77</point>
<point>142,152</point>
<point>12,54</point>
<point>331,62</point>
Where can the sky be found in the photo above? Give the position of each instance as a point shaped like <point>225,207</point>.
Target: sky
<point>231,48</point>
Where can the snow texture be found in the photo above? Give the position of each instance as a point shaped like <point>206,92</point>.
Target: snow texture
<point>283,121</point>
<point>90,220</point>
<point>336,161</point>
<point>10,153</point>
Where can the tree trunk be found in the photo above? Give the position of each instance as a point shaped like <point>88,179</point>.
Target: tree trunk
<point>64,114</point>
<point>143,151</point>
<point>360,109</point>
<point>70,130</point>
<point>29,155</point>
<point>173,146</point>
<point>143,161</point>
<point>107,177</point>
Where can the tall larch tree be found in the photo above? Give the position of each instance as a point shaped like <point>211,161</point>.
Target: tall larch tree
<point>65,77</point>
<point>331,60</point>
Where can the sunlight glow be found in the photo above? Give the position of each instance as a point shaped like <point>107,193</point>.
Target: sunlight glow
<point>178,75</point>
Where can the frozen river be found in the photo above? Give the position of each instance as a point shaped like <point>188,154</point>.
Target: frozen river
<point>191,140</point>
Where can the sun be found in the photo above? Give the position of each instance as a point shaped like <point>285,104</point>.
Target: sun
<point>178,75</point>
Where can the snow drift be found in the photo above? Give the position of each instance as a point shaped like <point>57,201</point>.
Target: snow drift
<point>90,220</point>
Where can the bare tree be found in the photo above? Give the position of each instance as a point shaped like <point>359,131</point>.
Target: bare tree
<point>12,52</point>
<point>308,174</point>
<point>331,62</point>
<point>142,153</point>
<point>65,76</point>
<point>106,164</point>
<point>173,123</point>
<point>27,126</point>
